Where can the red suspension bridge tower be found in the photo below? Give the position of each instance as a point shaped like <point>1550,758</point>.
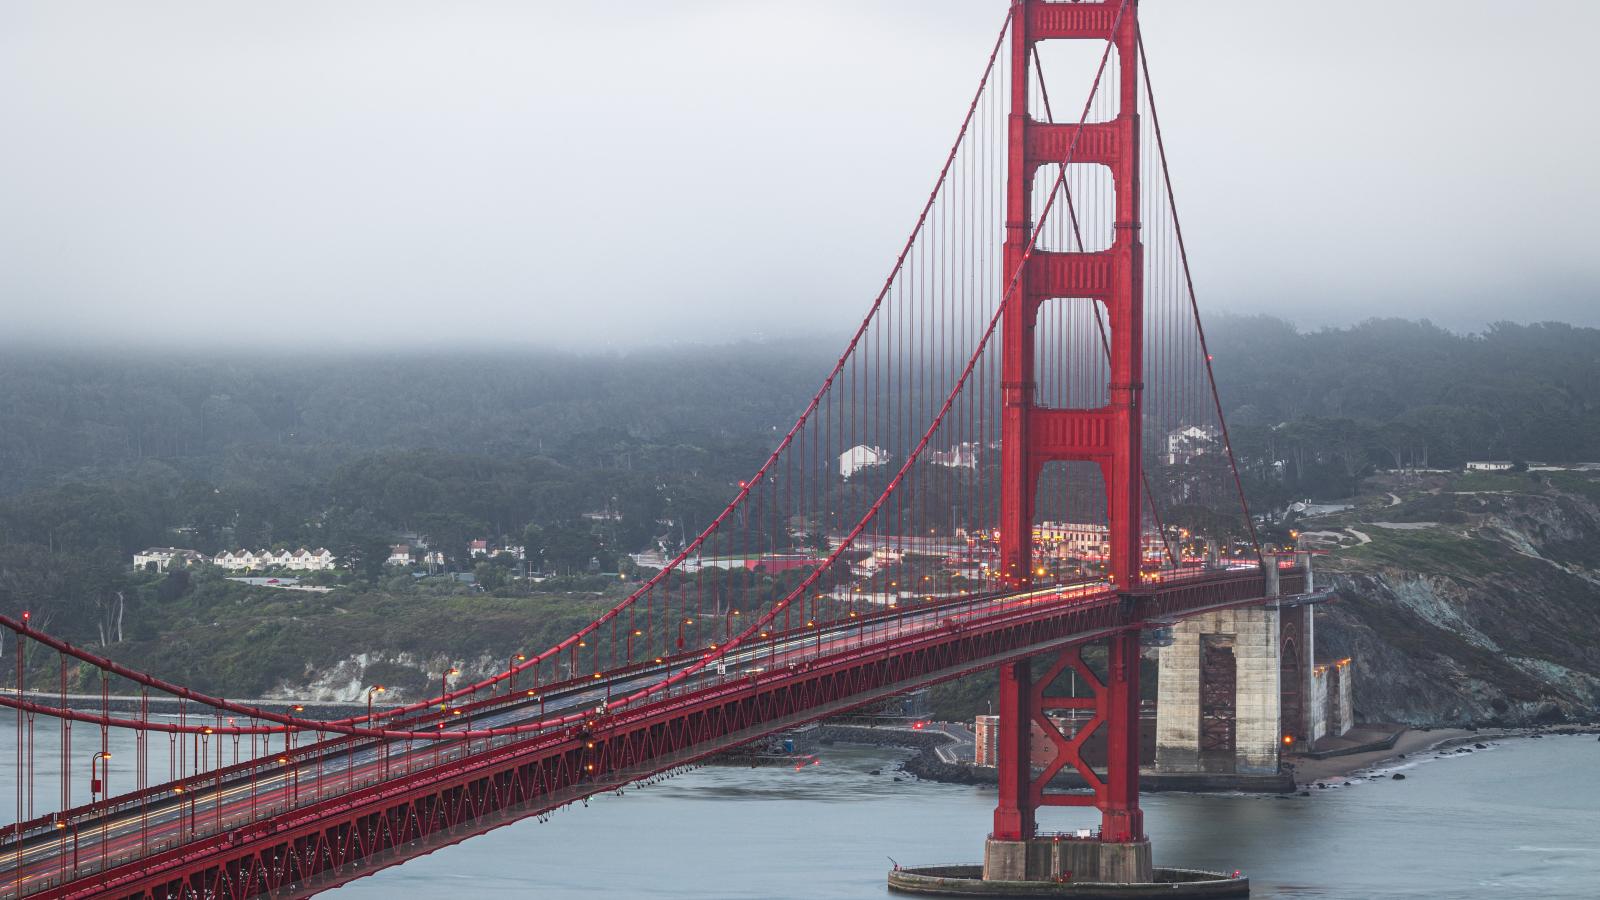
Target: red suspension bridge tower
<point>1108,436</point>
<point>310,803</point>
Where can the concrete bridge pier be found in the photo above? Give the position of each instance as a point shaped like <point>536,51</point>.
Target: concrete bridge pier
<point>1237,688</point>
<point>1050,858</point>
<point>1219,699</point>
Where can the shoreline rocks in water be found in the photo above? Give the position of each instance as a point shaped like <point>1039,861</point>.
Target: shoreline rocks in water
<point>926,764</point>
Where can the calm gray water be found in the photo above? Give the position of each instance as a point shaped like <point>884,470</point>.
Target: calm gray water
<point>1519,820</point>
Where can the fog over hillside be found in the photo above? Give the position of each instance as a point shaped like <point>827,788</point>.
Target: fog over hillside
<point>395,174</point>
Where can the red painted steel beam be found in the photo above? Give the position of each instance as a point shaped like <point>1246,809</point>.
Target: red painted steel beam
<point>1099,143</point>
<point>1080,21</point>
<point>1097,274</point>
<point>1063,434</point>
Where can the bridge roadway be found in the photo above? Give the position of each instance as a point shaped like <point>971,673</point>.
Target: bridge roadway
<point>59,858</point>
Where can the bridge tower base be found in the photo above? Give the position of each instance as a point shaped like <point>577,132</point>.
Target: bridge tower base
<point>1061,859</point>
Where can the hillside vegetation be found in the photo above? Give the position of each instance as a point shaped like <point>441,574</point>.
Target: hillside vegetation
<point>103,455</point>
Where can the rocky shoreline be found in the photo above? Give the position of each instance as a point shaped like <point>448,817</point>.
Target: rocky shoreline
<point>1306,774</point>
<point>1423,742</point>
<point>925,764</point>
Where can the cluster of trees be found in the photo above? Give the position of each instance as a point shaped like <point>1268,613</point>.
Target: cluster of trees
<point>102,456</point>
<point>282,417</point>
<point>1336,403</point>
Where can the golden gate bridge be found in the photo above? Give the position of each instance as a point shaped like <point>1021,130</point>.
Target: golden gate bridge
<point>1034,345</point>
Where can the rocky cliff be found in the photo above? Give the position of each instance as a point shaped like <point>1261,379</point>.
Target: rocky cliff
<point>1468,600</point>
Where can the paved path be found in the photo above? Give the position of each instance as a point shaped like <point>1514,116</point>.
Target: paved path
<point>962,746</point>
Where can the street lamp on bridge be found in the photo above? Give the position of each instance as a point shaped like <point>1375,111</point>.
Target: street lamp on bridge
<point>444,685</point>
<point>375,689</point>
<point>95,773</point>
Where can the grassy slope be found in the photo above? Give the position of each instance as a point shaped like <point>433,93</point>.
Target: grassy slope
<point>1507,556</point>
<point>248,641</point>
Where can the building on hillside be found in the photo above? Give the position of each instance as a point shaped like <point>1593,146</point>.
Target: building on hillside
<point>1189,442</point>
<point>860,457</point>
<point>300,560</point>
<point>399,555</point>
<point>162,557</point>
<point>1490,465</point>
<point>960,456</point>
<point>236,559</point>
<point>316,560</point>
<point>1073,539</point>
<point>486,550</point>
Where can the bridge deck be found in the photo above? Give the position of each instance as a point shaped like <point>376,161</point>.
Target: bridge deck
<point>356,805</point>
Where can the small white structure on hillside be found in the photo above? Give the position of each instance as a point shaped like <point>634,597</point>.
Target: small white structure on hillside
<point>163,557</point>
<point>1490,465</point>
<point>859,457</point>
<point>960,456</point>
<point>1189,442</point>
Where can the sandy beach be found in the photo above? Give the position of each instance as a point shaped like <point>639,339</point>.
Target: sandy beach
<point>1410,742</point>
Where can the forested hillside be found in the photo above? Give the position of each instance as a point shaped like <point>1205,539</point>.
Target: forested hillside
<point>102,455</point>
<point>1389,393</point>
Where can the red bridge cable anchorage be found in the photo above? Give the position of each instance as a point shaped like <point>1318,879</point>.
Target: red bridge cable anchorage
<point>1188,279</point>
<point>1099,317</point>
<point>343,726</point>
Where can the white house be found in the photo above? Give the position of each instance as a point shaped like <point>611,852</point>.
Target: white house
<point>312,560</point>
<point>478,549</point>
<point>163,557</point>
<point>399,555</point>
<point>1490,465</point>
<point>302,559</point>
<point>961,456</point>
<point>859,457</point>
<point>1188,442</point>
<point>236,559</point>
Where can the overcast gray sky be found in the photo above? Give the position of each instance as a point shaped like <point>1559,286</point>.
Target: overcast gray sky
<point>609,173</point>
